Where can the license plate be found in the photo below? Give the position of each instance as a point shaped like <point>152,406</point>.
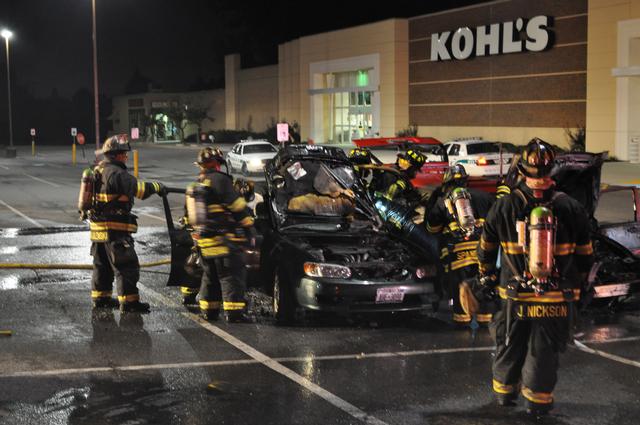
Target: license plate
<point>389,295</point>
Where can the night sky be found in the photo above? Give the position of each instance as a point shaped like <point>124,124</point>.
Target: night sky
<point>178,44</point>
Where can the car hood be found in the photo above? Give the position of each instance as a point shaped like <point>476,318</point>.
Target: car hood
<point>578,175</point>
<point>369,255</point>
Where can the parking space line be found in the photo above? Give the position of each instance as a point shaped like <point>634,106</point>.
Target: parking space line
<point>6,168</point>
<point>150,215</point>
<point>580,346</point>
<point>41,180</point>
<point>26,217</point>
<point>272,364</point>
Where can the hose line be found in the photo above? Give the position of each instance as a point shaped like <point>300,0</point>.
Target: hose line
<point>72,266</point>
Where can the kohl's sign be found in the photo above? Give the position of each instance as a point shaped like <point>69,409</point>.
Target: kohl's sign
<point>494,39</point>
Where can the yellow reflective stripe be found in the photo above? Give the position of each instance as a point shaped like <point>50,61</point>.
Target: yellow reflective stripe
<point>103,226</point>
<point>453,226</point>
<point>461,318</point>
<point>484,318</point>
<point>487,246</point>
<point>140,191</point>
<point>98,236</point>
<point>214,251</point>
<point>465,246</point>
<point>401,183</point>
<point>470,261</point>
<point>238,205</point>
<point>103,197</point>
<point>207,182</point>
<point>564,249</point>
<point>444,252</point>
<point>209,305</point>
<point>434,229</point>
<point>128,298</point>
<point>584,249</point>
<point>502,191</point>
<point>501,388</point>
<point>101,294</point>
<point>186,290</point>
<point>512,248</point>
<point>227,305</point>
<point>547,297</point>
<point>215,208</point>
<point>539,398</point>
<point>210,242</point>
<point>156,186</point>
<point>246,222</point>
<point>479,222</point>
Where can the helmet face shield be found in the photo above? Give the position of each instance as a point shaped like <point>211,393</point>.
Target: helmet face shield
<point>537,160</point>
<point>456,174</point>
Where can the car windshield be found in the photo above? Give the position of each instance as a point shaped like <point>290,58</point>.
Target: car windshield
<point>320,194</point>
<point>434,153</point>
<point>258,148</point>
<point>484,147</point>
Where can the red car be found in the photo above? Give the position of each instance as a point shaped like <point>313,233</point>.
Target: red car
<point>386,149</point>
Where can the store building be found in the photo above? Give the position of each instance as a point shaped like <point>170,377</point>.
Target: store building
<point>504,70</point>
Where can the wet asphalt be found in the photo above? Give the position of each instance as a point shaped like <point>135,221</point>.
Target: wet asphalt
<point>67,364</point>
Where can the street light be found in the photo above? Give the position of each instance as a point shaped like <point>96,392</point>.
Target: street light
<point>11,151</point>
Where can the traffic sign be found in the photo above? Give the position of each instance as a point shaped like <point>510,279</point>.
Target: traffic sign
<point>74,131</point>
<point>32,132</point>
<point>135,133</point>
<point>80,138</point>
<point>283,132</point>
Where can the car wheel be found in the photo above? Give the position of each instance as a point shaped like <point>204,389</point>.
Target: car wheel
<point>245,172</point>
<point>284,307</point>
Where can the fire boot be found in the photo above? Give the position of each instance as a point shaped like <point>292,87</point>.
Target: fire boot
<point>537,409</point>
<point>210,315</point>
<point>105,302</point>
<point>237,316</point>
<point>135,307</point>
<point>507,400</point>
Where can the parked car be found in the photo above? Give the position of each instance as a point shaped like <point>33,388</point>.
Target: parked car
<point>480,157</point>
<point>335,261</point>
<point>386,149</point>
<point>250,156</point>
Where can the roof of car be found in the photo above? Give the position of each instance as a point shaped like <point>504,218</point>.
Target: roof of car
<point>470,141</point>
<point>255,142</point>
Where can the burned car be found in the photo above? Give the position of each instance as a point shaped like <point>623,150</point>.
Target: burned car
<point>325,247</point>
<point>615,231</point>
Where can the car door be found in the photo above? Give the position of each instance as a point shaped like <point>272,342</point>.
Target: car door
<point>235,157</point>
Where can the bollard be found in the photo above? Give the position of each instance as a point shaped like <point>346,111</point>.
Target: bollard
<point>135,163</point>
<point>33,148</point>
<point>73,154</point>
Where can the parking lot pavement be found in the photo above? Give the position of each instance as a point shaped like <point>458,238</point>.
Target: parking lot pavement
<point>66,364</point>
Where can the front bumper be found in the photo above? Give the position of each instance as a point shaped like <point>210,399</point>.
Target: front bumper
<point>347,296</point>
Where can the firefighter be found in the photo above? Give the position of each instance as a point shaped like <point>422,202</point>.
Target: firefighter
<point>457,216</point>
<point>398,187</point>
<point>222,228</point>
<point>359,157</point>
<point>111,224</point>
<point>546,254</point>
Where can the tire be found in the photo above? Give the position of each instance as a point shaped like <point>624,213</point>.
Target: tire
<point>284,306</point>
<point>245,172</point>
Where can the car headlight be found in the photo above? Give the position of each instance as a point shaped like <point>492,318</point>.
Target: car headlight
<point>255,162</point>
<point>326,270</point>
<point>429,270</point>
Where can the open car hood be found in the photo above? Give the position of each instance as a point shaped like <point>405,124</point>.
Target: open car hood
<point>578,175</point>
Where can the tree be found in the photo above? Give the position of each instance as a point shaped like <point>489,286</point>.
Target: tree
<point>182,115</point>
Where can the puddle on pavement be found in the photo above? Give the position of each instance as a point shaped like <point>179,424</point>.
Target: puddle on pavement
<point>16,281</point>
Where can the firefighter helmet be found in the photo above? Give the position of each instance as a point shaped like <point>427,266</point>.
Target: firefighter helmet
<point>415,157</point>
<point>537,159</point>
<point>455,174</point>
<point>209,155</point>
<point>116,144</point>
<point>360,156</point>
<point>245,188</point>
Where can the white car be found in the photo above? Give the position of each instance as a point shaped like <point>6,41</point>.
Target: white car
<point>250,156</point>
<point>479,157</point>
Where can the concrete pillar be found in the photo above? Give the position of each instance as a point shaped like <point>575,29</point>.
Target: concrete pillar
<point>231,70</point>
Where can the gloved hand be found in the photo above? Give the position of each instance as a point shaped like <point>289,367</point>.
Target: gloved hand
<point>485,289</point>
<point>162,191</point>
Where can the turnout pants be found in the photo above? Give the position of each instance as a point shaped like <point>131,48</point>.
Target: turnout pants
<point>115,258</point>
<point>223,283</point>
<point>530,362</point>
<point>454,278</point>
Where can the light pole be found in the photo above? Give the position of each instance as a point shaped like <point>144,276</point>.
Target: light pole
<point>11,151</point>
<point>96,95</point>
